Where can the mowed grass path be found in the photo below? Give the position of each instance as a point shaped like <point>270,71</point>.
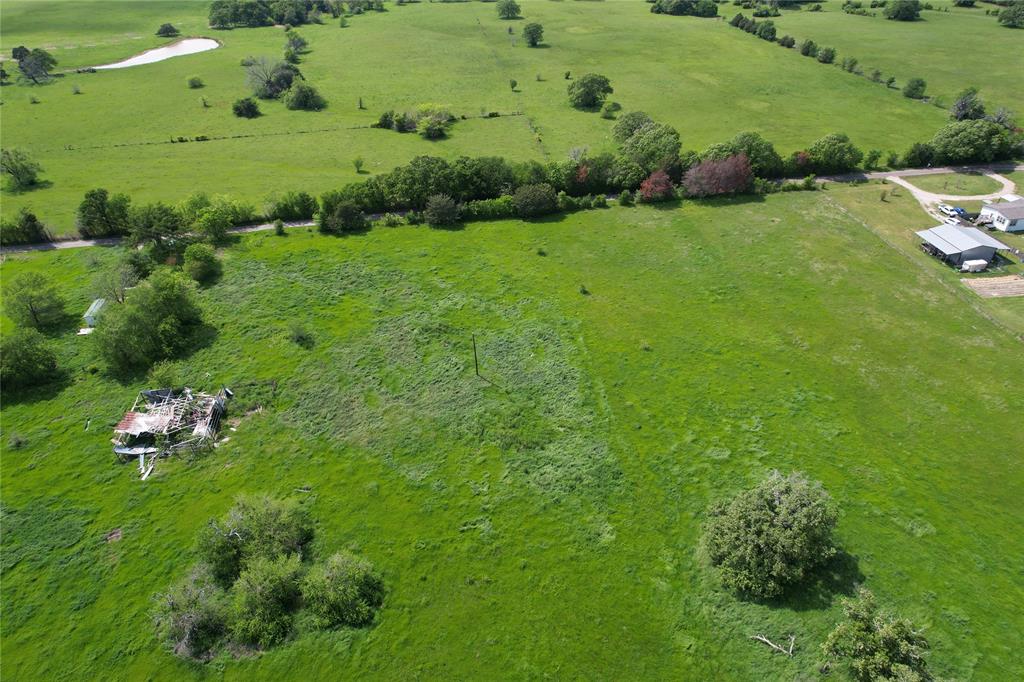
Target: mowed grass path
<point>547,526</point>
<point>951,50</point>
<point>705,78</point>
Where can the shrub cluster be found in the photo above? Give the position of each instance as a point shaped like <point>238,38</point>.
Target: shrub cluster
<point>255,575</point>
<point>430,120</point>
<point>694,8</point>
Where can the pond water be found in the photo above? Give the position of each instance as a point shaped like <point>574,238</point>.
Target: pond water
<point>182,47</point>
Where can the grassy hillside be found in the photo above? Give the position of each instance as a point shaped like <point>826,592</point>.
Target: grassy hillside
<point>705,78</point>
<point>545,524</point>
<point>951,49</point>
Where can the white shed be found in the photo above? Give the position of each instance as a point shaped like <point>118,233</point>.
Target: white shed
<point>93,313</point>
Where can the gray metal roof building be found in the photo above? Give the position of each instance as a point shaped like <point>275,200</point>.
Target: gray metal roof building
<point>956,244</point>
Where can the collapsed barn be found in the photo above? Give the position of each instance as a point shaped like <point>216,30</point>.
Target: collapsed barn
<point>167,420</point>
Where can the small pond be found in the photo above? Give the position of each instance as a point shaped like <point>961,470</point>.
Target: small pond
<point>158,54</point>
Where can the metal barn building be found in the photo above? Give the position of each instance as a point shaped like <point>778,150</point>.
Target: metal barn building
<point>955,244</point>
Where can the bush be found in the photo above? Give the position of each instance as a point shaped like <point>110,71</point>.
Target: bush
<point>441,211</point>
<point>264,596</point>
<point>902,10</point>
<point>340,215</point>
<point>31,300</point>
<point>246,108</point>
<point>657,187</point>
<point>25,359</point>
<point>531,201</point>
<point>255,527</point>
<point>25,229</point>
<point>489,209</point>
<point>589,91</point>
<point>968,106</point>
<point>533,33</point>
<point>192,616</point>
<point>1012,16</point>
<point>713,177</point>
<point>919,155</point>
<point>155,322</point>
<point>826,55</point>
<point>344,591</point>
<point>200,262</point>
<point>292,206</point>
<point>769,537</point>
<point>914,89</point>
<point>304,97</point>
<point>625,198</point>
<point>167,31</point>
<point>195,82</point>
<point>809,48</point>
<point>787,41</point>
<point>877,645</point>
<point>765,162</point>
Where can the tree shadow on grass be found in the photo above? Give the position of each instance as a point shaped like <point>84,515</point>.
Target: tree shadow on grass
<point>838,577</point>
<point>33,394</point>
<point>9,187</point>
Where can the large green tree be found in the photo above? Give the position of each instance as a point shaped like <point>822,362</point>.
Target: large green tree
<point>767,538</point>
<point>653,146</point>
<point>971,142</point>
<point>19,167</point>
<point>31,300</point>
<point>589,91</point>
<point>876,645</point>
<point>533,33</point>
<point>834,153</point>
<point>508,9</point>
<point>26,359</point>
<point>902,10</point>
<point>157,321</point>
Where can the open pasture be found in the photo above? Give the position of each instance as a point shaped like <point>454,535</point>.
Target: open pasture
<point>544,523</point>
<point>703,77</point>
<point>952,50</point>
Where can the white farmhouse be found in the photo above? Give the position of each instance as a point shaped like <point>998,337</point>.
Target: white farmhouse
<point>1008,217</point>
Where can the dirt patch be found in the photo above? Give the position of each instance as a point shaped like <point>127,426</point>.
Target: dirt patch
<point>113,536</point>
<point>996,287</point>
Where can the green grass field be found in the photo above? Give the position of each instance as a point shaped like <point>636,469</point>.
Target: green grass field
<point>546,525</point>
<point>951,50</point>
<point>956,184</point>
<point>393,60</point>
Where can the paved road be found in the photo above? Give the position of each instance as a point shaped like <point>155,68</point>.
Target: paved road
<point>988,169</point>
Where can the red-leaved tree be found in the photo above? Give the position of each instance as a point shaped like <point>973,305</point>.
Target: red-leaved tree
<point>710,178</point>
<point>657,187</point>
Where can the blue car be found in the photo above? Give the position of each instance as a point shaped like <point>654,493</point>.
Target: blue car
<point>959,211</point>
